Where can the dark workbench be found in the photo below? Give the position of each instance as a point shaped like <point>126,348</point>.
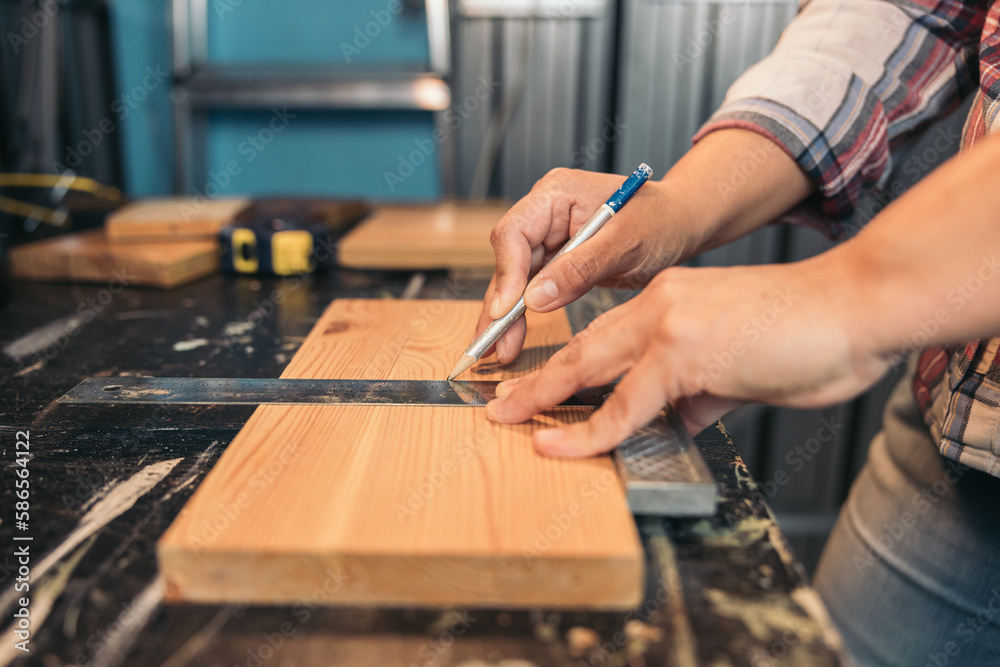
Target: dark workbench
<point>107,481</point>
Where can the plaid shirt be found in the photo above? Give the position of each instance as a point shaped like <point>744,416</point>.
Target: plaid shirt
<point>843,91</point>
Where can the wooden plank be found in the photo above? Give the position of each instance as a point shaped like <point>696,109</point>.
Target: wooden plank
<point>91,257</point>
<point>442,236</point>
<point>399,505</point>
<point>173,219</point>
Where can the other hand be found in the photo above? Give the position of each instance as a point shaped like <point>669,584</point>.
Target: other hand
<point>705,340</point>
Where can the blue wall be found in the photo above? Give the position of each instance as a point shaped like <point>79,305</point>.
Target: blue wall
<point>343,153</point>
<point>335,153</point>
<point>140,44</point>
<point>316,32</point>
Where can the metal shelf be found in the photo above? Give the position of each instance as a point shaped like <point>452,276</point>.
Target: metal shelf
<point>314,88</point>
<point>200,86</point>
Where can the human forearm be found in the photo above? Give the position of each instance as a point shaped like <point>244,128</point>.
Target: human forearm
<point>732,182</point>
<point>924,271</point>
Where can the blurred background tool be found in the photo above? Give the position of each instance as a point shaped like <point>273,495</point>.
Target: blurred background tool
<point>285,237</point>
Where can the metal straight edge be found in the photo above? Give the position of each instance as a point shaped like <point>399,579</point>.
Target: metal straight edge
<point>660,467</point>
<point>283,391</point>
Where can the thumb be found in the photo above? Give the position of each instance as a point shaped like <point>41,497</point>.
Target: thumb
<point>570,276</point>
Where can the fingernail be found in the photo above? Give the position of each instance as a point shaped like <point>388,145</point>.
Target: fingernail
<point>541,293</point>
<point>502,350</point>
<point>491,410</point>
<point>495,307</point>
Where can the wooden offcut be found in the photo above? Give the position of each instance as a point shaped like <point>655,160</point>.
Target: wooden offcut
<point>92,257</point>
<point>173,218</point>
<point>404,505</point>
<point>441,236</point>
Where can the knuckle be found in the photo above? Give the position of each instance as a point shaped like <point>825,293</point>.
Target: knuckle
<point>575,351</point>
<point>603,320</point>
<point>668,333</point>
<point>499,233</point>
<point>662,279</point>
<point>615,411</point>
<point>581,268</point>
<point>559,174</point>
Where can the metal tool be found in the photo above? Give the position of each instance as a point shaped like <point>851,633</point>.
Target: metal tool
<point>491,334</point>
<point>278,391</point>
<point>660,466</point>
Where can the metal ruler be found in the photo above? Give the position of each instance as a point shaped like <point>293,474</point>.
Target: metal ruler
<point>663,471</point>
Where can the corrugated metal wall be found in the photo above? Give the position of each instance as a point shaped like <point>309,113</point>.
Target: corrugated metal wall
<point>556,73</point>
<point>677,60</point>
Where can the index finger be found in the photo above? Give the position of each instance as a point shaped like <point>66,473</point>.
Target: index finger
<point>595,356</point>
<point>513,252</point>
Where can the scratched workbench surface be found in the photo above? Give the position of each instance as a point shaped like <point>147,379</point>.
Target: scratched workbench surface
<point>106,481</point>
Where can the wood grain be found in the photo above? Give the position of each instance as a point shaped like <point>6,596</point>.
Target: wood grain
<point>397,505</point>
<point>91,257</point>
<point>173,219</point>
<point>442,236</point>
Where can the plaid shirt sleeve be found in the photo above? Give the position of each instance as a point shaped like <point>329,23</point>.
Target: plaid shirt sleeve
<point>847,84</point>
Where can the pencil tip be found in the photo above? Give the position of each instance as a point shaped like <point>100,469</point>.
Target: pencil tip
<point>463,364</point>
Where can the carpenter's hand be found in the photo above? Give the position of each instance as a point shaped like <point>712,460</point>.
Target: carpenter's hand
<point>706,340</point>
<point>627,252</point>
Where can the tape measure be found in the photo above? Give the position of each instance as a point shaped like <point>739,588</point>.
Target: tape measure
<point>273,247</point>
<point>285,237</point>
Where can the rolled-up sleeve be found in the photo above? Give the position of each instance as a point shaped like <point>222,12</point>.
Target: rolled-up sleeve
<point>846,84</point>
